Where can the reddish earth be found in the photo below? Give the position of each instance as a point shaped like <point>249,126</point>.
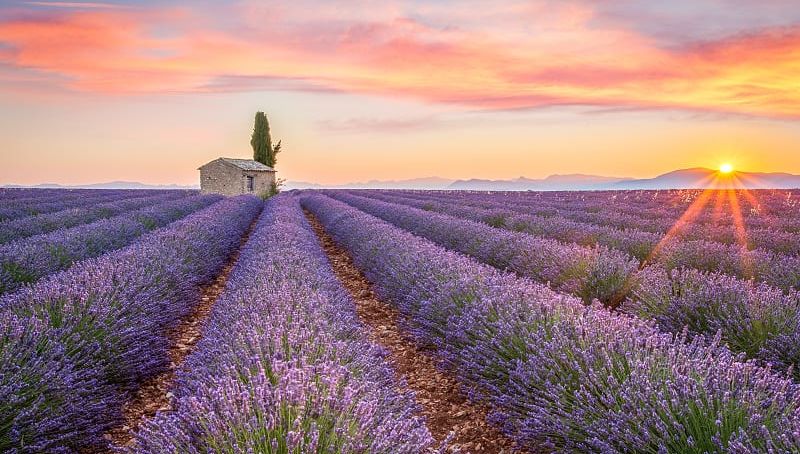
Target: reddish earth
<point>445,408</point>
<point>154,394</point>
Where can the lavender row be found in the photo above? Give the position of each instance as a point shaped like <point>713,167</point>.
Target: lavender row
<point>659,203</point>
<point>638,244</point>
<point>41,194</point>
<point>8,194</point>
<point>573,209</point>
<point>36,225</point>
<point>75,344</point>
<point>700,246</point>
<point>782,271</point>
<point>589,273</point>
<point>759,320</point>
<point>562,376</point>
<point>284,364</point>
<point>16,209</point>
<point>29,259</point>
<point>765,229</point>
<point>28,195</point>
<point>643,232</point>
<point>712,214</point>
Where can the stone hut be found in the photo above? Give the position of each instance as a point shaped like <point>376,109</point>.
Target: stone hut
<point>230,176</point>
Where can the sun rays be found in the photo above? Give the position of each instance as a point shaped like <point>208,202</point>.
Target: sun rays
<point>728,189</point>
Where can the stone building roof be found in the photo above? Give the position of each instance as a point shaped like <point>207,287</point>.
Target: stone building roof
<point>246,164</point>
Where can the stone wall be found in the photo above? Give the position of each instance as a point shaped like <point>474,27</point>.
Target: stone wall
<point>261,181</point>
<point>217,177</point>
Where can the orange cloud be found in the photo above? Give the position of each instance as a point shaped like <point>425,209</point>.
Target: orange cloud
<point>564,60</point>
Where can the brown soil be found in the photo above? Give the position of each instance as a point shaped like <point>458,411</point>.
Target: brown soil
<point>154,394</point>
<point>444,406</point>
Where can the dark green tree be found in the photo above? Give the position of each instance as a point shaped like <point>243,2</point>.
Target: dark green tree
<point>273,157</point>
<point>261,141</point>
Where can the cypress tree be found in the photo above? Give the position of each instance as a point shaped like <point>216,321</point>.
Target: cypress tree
<point>261,140</point>
<point>272,158</point>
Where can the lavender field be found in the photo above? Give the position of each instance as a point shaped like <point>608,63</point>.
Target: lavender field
<point>389,321</point>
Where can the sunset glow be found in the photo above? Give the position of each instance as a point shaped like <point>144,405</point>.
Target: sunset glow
<point>726,168</point>
<point>401,89</point>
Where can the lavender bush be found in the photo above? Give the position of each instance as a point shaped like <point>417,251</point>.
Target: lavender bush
<point>756,319</point>
<point>559,374</point>
<point>75,343</point>
<point>638,244</point>
<point>15,208</point>
<point>284,364</point>
<point>8,194</point>
<point>652,211</point>
<point>612,216</point>
<point>780,270</point>
<point>29,259</point>
<point>44,223</point>
<point>753,318</point>
<point>591,273</point>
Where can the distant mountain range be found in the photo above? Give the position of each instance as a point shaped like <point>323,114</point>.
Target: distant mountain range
<point>575,182</point>
<point>414,183</point>
<point>697,178</point>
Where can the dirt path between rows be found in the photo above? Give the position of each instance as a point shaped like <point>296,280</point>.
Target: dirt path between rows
<point>154,394</point>
<point>445,408</point>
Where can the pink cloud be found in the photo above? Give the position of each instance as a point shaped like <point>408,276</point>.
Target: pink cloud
<point>550,56</point>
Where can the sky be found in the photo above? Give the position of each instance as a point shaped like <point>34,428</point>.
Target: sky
<point>360,90</point>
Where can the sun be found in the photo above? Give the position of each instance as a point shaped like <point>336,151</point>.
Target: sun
<point>726,168</point>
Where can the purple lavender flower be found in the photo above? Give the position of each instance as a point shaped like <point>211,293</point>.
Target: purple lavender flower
<point>29,259</point>
<point>16,206</point>
<point>591,273</point>
<point>75,343</point>
<point>36,225</point>
<point>561,375</point>
<point>284,364</point>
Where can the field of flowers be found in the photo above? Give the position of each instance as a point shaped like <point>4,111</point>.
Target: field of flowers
<point>630,321</point>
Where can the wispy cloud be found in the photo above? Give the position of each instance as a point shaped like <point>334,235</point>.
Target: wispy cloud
<point>238,83</point>
<point>363,124</point>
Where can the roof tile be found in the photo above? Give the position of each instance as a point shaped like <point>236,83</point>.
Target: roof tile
<point>248,164</point>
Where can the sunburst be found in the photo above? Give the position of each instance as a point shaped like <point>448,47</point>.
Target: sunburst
<point>725,184</point>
